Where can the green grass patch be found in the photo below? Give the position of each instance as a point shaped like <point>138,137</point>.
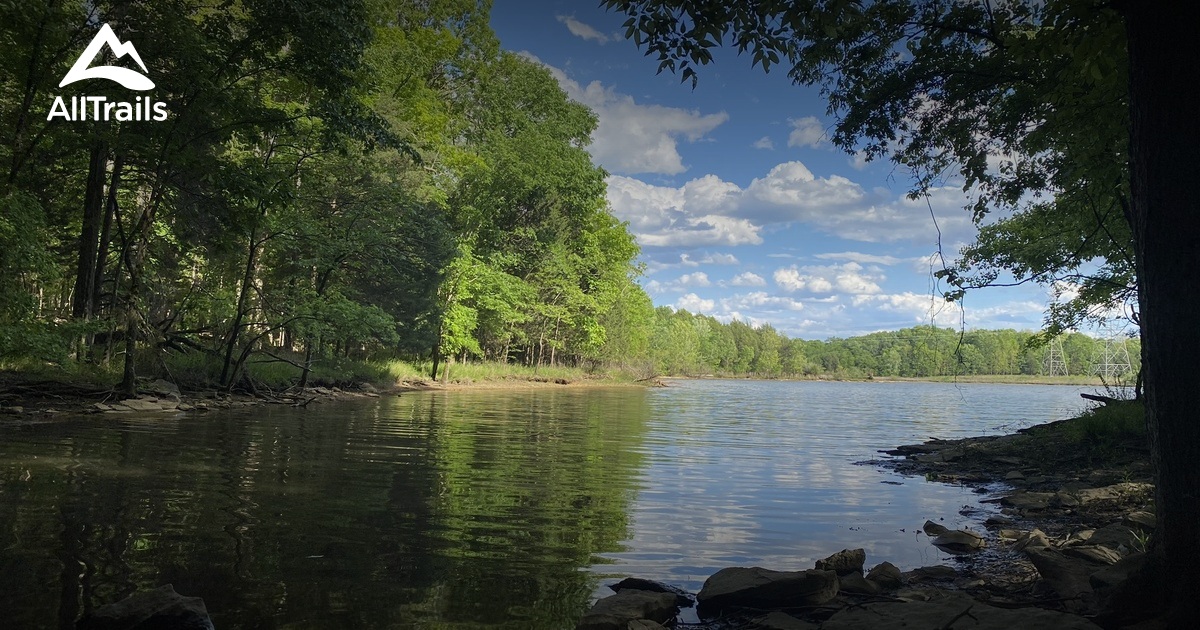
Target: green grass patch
<point>1108,424</point>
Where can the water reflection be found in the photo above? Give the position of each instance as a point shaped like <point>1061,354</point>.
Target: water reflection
<point>470,509</point>
<point>431,510</point>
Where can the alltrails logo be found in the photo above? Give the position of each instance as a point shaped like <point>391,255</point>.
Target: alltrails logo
<point>99,107</point>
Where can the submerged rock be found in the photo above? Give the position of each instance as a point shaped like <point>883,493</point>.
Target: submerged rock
<point>756,587</point>
<point>160,608</point>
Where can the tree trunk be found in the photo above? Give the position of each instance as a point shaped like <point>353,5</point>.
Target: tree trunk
<point>1165,156</point>
<point>89,234</point>
<point>235,331</point>
<point>110,211</point>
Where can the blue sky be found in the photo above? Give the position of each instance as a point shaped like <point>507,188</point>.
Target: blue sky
<point>742,207</point>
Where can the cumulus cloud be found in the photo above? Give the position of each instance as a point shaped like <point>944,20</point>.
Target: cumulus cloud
<point>748,279</point>
<point>763,143</point>
<point>711,211</point>
<point>694,304</point>
<point>806,132</point>
<point>850,278</point>
<point>661,216</point>
<point>760,300</point>
<point>635,138</point>
<point>582,30</point>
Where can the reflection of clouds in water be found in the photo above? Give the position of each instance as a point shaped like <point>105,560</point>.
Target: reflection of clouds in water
<point>762,473</point>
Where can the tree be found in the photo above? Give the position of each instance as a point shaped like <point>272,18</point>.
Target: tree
<point>941,87</point>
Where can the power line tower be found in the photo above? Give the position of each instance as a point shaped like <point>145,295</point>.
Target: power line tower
<point>1113,359</point>
<point>1056,362</point>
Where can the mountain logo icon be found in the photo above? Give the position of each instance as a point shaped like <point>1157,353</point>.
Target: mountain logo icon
<point>131,79</point>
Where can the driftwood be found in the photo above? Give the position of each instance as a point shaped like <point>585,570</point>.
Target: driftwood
<point>1103,399</point>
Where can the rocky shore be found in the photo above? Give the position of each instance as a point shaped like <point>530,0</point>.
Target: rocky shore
<point>1076,512</point>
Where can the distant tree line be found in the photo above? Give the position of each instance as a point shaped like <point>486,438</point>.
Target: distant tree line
<point>691,344</point>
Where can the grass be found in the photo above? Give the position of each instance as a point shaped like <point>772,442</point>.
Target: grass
<point>493,371</point>
<point>1108,424</point>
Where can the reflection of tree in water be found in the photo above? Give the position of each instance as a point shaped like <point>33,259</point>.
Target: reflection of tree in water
<point>470,507</point>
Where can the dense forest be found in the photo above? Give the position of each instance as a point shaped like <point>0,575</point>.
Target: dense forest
<point>377,180</point>
<point>331,188</point>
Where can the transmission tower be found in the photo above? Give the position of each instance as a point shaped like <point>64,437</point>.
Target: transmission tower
<point>1056,363</point>
<point>1113,360</point>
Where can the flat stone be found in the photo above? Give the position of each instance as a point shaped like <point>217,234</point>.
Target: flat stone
<point>682,597</point>
<point>844,562</point>
<point>1067,576</point>
<point>938,572</point>
<point>1118,572</point>
<point>640,624</point>
<point>1014,474</point>
<point>952,611</point>
<point>139,404</point>
<point>780,621</point>
<point>958,541</point>
<point>617,611</point>
<point>1140,519</point>
<point>1115,536</point>
<point>763,588</point>
<point>1028,500</point>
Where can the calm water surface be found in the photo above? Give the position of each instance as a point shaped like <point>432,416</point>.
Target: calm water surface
<point>475,509</point>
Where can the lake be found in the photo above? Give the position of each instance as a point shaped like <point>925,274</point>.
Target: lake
<point>485,508</point>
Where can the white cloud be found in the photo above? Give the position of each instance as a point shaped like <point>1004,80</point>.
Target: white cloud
<point>850,278</point>
<point>763,143</point>
<point>858,161</point>
<point>861,258</point>
<point>760,300</point>
<point>710,211</point>
<point>634,138</point>
<point>662,216</point>
<point>748,279</point>
<point>694,304</point>
<point>806,132</point>
<point>582,30</point>
<point>697,279</point>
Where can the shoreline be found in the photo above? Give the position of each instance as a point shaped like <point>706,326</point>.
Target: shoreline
<point>29,398</point>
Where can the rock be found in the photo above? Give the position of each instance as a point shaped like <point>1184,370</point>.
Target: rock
<point>998,520</point>
<point>844,562</point>
<point>101,407</point>
<point>1013,475</point>
<point>951,611</point>
<point>1140,519</point>
<point>780,621</point>
<point>857,584</point>
<point>757,587</point>
<point>1032,540</point>
<point>644,624</point>
<point>1068,577</point>
<point>1114,574</point>
<point>140,404</point>
<point>935,573</point>
<point>163,388</point>
<point>1028,500</point>
<point>959,541</point>
<point>184,407</point>
<point>15,410</point>
<point>682,597</point>
<point>159,608</point>
<point>618,611</point>
<point>1092,553</point>
<point>886,575</point>
<point>1115,492</point>
<point>933,529</point>
<point>1115,536</point>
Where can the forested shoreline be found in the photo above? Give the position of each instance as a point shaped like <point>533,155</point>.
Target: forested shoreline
<point>378,181</point>
<point>337,192</point>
